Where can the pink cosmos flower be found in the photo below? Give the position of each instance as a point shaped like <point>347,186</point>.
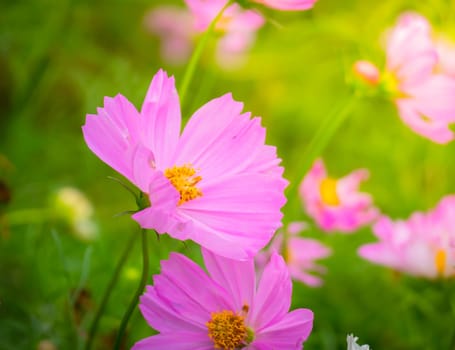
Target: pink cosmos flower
<point>287,5</point>
<point>424,98</point>
<point>178,27</point>
<point>217,183</point>
<point>423,245</point>
<point>299,253</point>
<point>337,204</point>
<point>224,309</point>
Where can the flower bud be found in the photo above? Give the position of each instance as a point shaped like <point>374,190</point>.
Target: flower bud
<point>367,71</point>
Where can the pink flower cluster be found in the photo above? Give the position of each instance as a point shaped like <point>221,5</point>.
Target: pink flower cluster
<point>218,184</point>
<point>423,245</point>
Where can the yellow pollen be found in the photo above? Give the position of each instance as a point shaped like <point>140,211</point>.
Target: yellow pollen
<point>287,255</point>
<point>184,180</point>
<point>440,261</point>
<point>227,330</point>
<point>328,190</point>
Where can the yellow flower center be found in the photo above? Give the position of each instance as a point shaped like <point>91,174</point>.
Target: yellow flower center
<point>440,261</point>
<point>287,254</point>
<point>184,180</point>
<point>328,190</point>
<point>227,330</point>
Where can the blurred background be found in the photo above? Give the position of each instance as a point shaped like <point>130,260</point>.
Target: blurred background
<point>60,233</point>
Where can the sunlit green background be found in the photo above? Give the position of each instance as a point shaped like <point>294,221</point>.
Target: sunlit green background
<point>58,59</point>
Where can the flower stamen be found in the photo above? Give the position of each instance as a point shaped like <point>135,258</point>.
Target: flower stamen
<point>184,180</point>
<point>227,330</point>
<point>328,190</point>
<point>440,261</point>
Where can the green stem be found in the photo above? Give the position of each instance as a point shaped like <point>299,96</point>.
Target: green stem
<point>108,291</point>
<point>322,138</point>
<point>448,298</point>
<point>134,301</point>
<point>195,57</point>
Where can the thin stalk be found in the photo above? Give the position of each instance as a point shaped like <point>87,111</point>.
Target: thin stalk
<point>125,186</point>
<point>322,138</point>
<point>134,301</point>
<point>107,292</point>
<point>448,297</point>
<point>195,57</point>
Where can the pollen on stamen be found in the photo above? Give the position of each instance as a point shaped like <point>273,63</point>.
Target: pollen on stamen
<point>440,261</point>
<point>227,330</point>
<point>184,179</point>
<point>328,190</point>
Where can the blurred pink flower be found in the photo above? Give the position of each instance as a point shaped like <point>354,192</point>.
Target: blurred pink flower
<point>217,183</point>
<point>237,27</point>
<point>287,5</point>
<point>299,253</point>
<point>174,25</point>
<point>224,309</point>
<point>336,205</point>
<point>423,245</point>
<point>425,99</point>
<point>178,28</point>
<point>417,78</point>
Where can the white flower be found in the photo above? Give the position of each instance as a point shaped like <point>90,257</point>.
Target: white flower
<point>352,343</point>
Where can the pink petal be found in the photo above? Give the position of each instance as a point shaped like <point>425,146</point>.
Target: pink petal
<point>273,297</point>
<point>220,142</point>
<point>380,253</point>
<point>161,215</point>
<point>288,5</point>
<point>434,98</point>
<point>204,11</point>
<point>410,50</point>
<point>179,341</point>
<point>161,119</point>
<point>307,249</point>
<point>437,131</point>
<point>295,227</point>
<point>112,134</point>
<point>206,126</point>
<point>288,333</point>
<point>351,182</point>
<point>237,215</point>
<point>179,283</point>
<point>305,278</point>
<point>237,277</point>
<point>161,315</point>
<point>143,167</point>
